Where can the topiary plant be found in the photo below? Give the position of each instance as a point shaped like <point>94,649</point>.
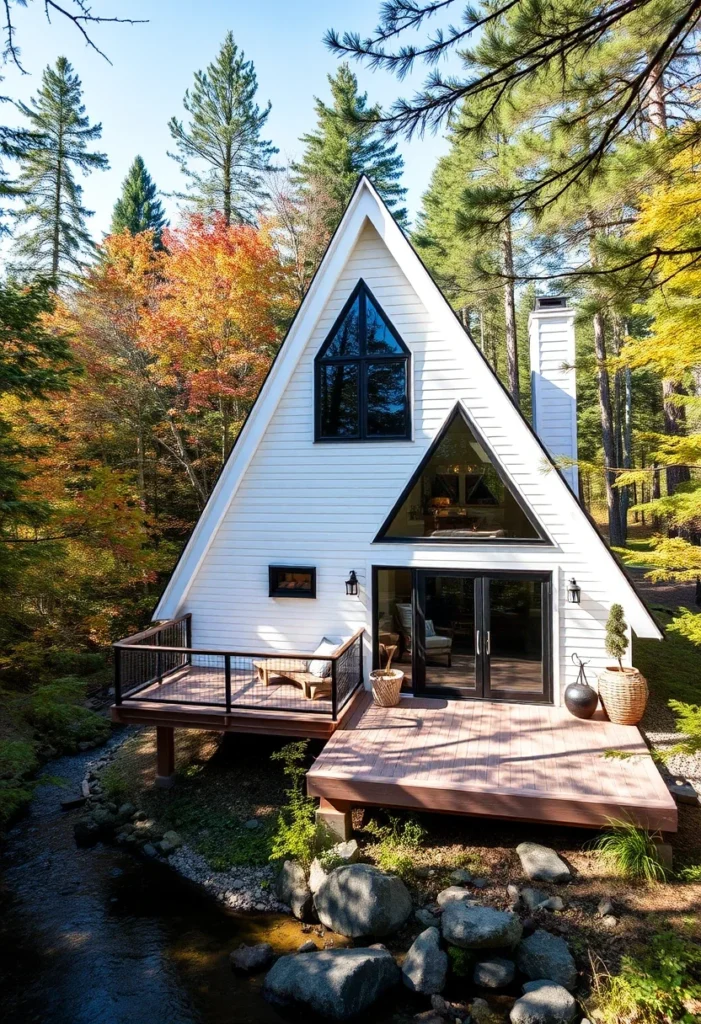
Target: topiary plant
<point>616,634</point>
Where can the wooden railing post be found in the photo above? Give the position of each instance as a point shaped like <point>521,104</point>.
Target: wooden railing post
<point>117,674</point>
<point>227,680</point>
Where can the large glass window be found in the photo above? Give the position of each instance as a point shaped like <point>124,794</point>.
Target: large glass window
<point>362,376</point>
<point>459,494</point>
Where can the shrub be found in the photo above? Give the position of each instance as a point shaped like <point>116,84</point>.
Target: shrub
<point>689,723</point>
<point>75,663</point>
<point>17,762</point>
<point>296,834</point>
<point>631,852</point>
<point>662,983</point>
<point>396,843</point>
<point>616,642</point>
<point>57,714</point>
<point>461,961</point>
<point>690,873</point>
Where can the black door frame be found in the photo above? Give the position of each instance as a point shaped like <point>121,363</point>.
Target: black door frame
<point>418,659</point>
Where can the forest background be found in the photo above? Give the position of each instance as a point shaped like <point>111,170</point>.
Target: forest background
<point>129,361</point>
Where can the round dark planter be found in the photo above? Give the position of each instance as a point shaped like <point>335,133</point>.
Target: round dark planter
<point>581,700</point>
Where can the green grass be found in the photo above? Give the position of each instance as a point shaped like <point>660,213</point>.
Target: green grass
<point>221,838</point>
<point>672,667</point>
<point>631,852</point>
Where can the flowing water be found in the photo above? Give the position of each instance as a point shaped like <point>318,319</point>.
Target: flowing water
<point>99,937</point>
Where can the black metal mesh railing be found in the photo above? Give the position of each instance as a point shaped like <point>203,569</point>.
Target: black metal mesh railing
<point>348,670</point>
<point>149,669</point>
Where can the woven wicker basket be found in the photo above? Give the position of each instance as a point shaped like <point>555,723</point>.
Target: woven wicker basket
<point>386,687</point>
<point>623,694</point>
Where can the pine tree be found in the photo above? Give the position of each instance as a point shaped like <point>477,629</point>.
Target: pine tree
<point>345,145</point>
<point>224,135</point>
<point>138,208</point>
<point>56,238</point>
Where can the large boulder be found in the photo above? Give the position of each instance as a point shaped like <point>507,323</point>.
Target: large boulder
<point>543,955</point>
<point>474,927</point>
<point>335,983</point>
<point>494,973</point>
<point>292,889</point>
<point>544,1002</point>
<point>359,899</point>
<point>425,966</point>
<point>541,864</point>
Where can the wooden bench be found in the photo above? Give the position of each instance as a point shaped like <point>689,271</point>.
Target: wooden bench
<point>312,686</point>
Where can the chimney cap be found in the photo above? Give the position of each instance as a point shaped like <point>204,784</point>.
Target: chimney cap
<point>551,302</point>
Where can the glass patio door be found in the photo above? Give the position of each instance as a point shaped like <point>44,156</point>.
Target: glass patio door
<point>483,636</point>
<point>448,610</point>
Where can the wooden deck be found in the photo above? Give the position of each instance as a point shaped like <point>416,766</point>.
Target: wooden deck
<point>194,698</point>
<point>517,761</point>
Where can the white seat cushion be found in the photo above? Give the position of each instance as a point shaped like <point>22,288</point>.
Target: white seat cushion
<point>328,645</point>
<point>435,643</point>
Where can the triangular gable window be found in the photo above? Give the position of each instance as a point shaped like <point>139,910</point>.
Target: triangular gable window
<point>460,493</point>
<point>362,376</point>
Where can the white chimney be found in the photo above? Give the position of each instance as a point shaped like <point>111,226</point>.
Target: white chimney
<point>553,379</point>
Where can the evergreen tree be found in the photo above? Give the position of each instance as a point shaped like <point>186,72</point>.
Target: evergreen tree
<point>56,237</point>
<point>345,145</point>
<point>138,208</point>
<point>224,135</point>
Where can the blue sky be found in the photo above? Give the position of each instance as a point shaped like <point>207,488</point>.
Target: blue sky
<point>153,64</point>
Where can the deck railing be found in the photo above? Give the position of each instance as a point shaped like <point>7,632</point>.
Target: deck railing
<point>160,666</point>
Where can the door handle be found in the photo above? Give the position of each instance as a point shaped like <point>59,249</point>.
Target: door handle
<point>489,641</point>
<point>477,644</point>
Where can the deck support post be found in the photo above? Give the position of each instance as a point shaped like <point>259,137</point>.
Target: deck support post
<point>165,756</point>
<point>335,817</point>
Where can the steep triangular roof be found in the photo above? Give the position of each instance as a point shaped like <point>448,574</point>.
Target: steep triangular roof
<point>367,206</point>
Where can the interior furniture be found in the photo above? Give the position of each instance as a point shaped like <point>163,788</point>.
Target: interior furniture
<point>438,645</point>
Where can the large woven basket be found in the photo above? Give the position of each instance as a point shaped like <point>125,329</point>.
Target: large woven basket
<point>623,694</point>
<point>386,687</point>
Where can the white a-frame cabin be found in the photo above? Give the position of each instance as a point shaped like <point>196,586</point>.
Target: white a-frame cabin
<point>385,490</point>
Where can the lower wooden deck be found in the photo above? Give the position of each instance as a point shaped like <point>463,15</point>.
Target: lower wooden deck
<point>517,761</point>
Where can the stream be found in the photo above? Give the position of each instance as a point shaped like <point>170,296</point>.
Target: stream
<point>98,936</point>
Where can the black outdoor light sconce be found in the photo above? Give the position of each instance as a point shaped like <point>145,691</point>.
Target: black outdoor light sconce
<point>574,591</point>
<point>352,584</point>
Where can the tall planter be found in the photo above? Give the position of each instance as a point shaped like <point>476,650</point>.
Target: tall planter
<point>624,694</point>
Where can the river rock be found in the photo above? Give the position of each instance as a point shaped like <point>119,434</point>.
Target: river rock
<point>86,832</point>
<point>544,1002</point>
<point>348,852</point>
<point>291,886</point>
<point>453,894</point>
<point>495,973</point>
<point>170,842</point>
<point>248,959</point>
<point>425,966</point>
<point>335,983</point>
<point>126,811</point>
<point>604,908</point>
<point>426,917</point>
<point>553,903</point>
<point>317,875</point>
<point>359,899</point>
<point>461,876</point>
<point>541,864</point>
<point>474,927</point>
<point>543,955</point>
<point>533,897</point>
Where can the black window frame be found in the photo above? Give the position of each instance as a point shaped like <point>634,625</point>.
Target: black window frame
<point>274,589</point>
<point>362,361</point>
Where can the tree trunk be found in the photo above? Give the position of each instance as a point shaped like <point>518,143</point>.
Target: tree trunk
<point>510,312</point>
<point>622,452</point>
<point>607,433</point>
<point>227,185</point>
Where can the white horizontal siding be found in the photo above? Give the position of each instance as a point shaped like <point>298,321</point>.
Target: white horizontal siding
<point>322,505</point>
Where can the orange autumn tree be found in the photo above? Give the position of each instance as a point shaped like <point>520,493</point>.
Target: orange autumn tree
<point>221,306</point>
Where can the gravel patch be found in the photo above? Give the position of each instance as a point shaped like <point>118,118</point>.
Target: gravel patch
<point>239,888</point>
<point>658,728</point>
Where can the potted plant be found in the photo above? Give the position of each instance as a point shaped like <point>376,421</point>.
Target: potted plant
<point>623,691</point>
<point>387,681</point>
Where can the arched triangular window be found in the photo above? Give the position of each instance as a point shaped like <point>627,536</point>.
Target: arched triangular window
<point>362,376</point>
